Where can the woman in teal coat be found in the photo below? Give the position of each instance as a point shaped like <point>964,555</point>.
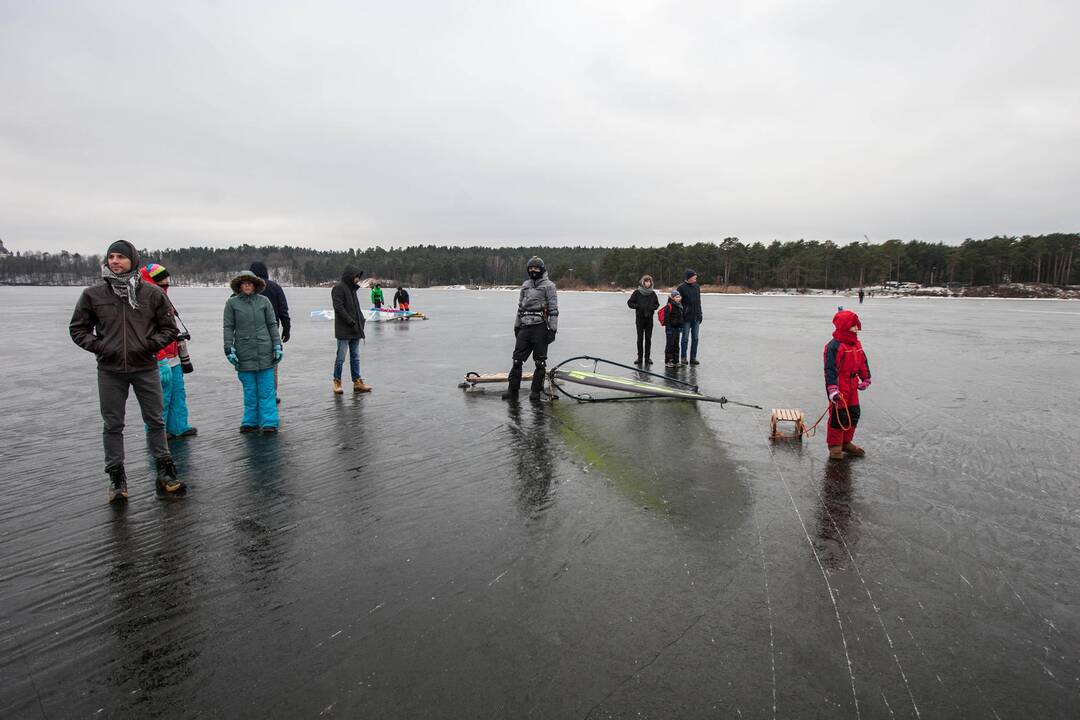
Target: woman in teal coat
<point>253,346</point>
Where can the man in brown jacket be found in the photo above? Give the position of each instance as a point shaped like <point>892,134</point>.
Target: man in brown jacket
<point>125,322</point>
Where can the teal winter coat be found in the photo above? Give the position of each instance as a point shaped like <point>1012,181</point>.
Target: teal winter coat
<point>251,327</point>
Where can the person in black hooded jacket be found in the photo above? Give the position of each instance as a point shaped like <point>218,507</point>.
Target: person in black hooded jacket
<point>348,327</point>
<point>644,303</point>
<point>276,296</point>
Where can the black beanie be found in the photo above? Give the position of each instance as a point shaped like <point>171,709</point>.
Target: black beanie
<point>690,272</point>
<point>124,248</point>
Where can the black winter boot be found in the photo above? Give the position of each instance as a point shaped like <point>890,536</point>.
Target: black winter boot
<point>537,383</point>
<point>118,491</point>
<point>167,484</point>
<point>515,383</point>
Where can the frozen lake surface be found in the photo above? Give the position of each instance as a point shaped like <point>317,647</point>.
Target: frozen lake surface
<point>424,552</point>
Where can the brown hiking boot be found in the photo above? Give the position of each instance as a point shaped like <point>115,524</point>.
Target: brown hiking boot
<point>358,386</point>
<point>836,452</point>
<point>853,450</point>
<point>337,386</point>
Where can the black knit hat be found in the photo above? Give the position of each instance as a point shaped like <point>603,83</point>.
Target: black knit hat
<point>690,272</point>
<point>124,248</point>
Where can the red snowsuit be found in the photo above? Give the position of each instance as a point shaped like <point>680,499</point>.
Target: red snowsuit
<point>845,368</point>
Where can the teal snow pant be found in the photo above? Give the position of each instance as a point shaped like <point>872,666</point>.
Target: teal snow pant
<point>260,401</point>
<point>174,395</point>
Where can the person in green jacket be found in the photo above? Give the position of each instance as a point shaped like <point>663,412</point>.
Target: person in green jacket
<point>253,346</point>
<point>376,295</point>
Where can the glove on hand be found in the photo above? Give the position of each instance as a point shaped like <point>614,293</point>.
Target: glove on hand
<point>285,335</point>
<point>550,336</point>
<point>230,355</point>
<point>278,353</point>
<point>833,392</point>
<point>517,329</point>
<point>863,384</point>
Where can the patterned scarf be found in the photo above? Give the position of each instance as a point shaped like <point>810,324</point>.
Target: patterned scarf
<point>124,284</point>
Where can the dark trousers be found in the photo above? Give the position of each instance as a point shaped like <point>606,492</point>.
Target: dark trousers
<point>113,391</point>
<point>644,337</point>
<point>671,349</point>
<point>531,339</point>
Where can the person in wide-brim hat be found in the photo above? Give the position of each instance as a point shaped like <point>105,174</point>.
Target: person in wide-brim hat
<point>253,346</point>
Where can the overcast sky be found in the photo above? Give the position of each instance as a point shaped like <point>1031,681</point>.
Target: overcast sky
<point>338,125</point>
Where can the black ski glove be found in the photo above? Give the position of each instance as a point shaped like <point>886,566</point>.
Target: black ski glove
<point>550,336</point>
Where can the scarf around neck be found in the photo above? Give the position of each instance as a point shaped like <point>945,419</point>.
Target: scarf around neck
<point>123,285</point>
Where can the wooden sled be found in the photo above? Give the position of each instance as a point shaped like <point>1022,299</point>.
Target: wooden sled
<point>794,416</point>
<point>472,379</point>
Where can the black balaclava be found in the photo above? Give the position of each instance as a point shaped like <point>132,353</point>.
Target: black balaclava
<point>535,267</point>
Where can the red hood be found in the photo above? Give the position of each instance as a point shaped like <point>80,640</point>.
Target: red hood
<point>843,321</point>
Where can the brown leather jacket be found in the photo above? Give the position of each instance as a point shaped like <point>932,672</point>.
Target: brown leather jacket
<point>124,339</point>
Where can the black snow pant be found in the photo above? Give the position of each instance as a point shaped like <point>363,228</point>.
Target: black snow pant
<point>644,337</point>
<point>671,349</point>
<point>531,339</point>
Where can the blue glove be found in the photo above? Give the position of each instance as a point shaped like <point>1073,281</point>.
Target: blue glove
<point>230,355</point>
<point>278,353</point>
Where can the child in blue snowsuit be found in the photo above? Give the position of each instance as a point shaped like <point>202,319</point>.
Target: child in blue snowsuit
<point>253,346</point>
<point>172,375</point>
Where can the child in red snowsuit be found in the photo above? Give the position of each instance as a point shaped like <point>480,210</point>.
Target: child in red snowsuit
<point>846,373</point>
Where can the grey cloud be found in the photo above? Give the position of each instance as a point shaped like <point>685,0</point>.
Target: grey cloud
<point>336,125</point>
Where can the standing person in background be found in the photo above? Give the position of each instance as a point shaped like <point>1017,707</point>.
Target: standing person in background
<point>276,295</point>
<point>535,326</point>
<point>644,302</point>
<point>253,346</point>
<point>125,322</point>
<point>174,394</point>
<point>691,302</point>
<point>671,317</point>
<point>401,298</point>
<point>376,295</point>
<point>861,295</point>
<point>349,327</point>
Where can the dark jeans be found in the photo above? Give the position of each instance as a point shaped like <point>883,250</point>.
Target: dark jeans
<point>689,333</point>
<point>353,346</point>
<point>644,337</point>
<point>113,391</point>
<point>531,339</point>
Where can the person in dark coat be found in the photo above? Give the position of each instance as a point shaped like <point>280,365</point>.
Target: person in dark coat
<point>846,373</point>
<point>535,326</point>
<point>691,302</point>
<point>273,292</point>
<point>401,298</point>
<point>674,316</point>
<point>276,295</point>
<point>644,303</point>
<point>348,328</point>
<point>125,322</point>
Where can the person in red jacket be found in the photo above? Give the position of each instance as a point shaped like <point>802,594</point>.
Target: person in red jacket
<point>846,373</point>
<point>174,394</point>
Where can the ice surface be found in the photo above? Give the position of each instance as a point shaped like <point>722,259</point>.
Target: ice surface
<point>421,551</point>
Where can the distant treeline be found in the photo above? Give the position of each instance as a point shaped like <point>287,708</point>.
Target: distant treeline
<point>1038,259</point>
